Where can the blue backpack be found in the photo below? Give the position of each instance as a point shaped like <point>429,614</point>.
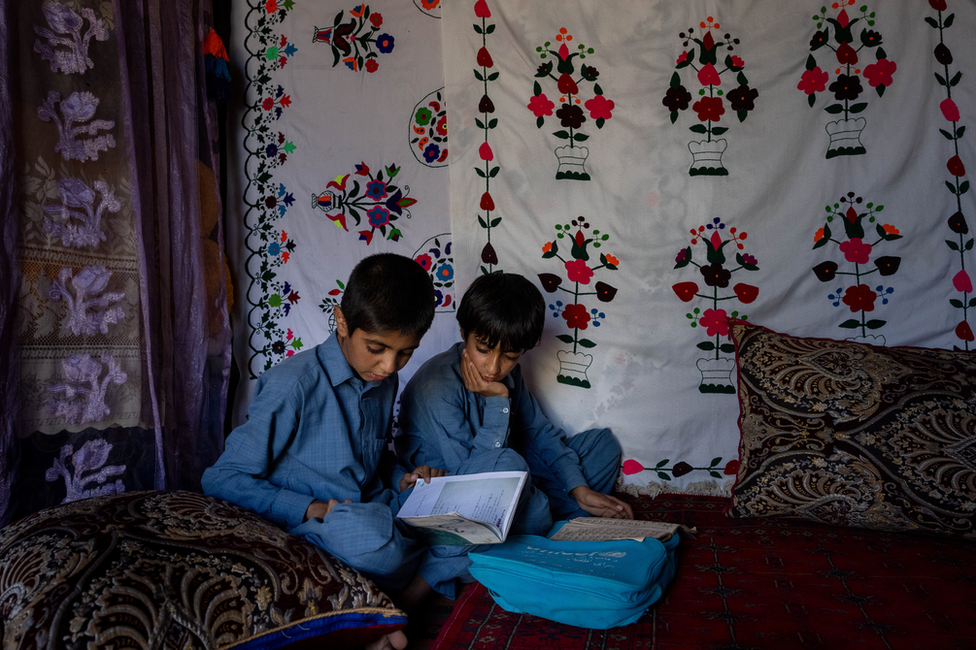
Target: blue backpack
<point>596,585</point>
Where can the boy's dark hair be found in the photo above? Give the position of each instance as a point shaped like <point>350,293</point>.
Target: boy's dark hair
<point>388,292</point>
<point>503,308</point>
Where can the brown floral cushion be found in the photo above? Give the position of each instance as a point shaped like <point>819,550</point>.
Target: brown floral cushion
<point>855,435</point>
<point>176,570</point>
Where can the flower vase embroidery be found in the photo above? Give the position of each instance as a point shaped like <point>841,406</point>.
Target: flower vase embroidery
<point>381,202</point>
<point>573,363</point>
<point>352,42</point>
<point>859,297</point>
<point>838,34</point>
<point>706,155</point>
<point>716,371</point>
<point>571,157</point>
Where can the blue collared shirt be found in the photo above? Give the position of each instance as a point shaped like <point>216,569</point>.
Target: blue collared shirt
<point>314,431</point>
<point>443,423</point>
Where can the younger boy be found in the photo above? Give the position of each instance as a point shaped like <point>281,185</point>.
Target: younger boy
<point>313,454</point>
<point>471,400</point>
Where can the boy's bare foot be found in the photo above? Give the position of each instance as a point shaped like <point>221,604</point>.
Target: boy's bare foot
<point>393,641</point>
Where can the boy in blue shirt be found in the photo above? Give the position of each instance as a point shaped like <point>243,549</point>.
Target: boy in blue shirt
<point>313,455</point>
<point>467,403</point>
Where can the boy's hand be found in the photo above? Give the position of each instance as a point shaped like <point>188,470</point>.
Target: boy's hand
<point>601,505</point>
<point>474,382</point>
<point>425,472</point>
<point>321,508</point>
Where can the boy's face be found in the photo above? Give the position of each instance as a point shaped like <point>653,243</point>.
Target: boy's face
<point>493,364</point>
<point>374,356</point>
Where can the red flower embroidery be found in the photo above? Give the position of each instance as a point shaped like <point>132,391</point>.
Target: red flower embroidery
<point>541,105</point>
<point>860,298</point>
<point>709,108</point>
<point>813,81</point>
<point>856,251</point>
<point>576,317</point>
<point>632,467</point>
<point>599,106</point>
<point>955,166</point>
<point>949,110</point>
<point>578,271</point>
<point>879,73</point>
<point>715,321</point>
<point>708,75</point>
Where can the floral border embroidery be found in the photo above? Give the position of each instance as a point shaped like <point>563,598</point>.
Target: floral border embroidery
<point>961,281</point>
<point>269,297</point>
<point>489,258</point>
<point>681,468</point>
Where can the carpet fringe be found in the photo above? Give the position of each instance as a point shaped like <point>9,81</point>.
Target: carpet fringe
<point>654,488</point>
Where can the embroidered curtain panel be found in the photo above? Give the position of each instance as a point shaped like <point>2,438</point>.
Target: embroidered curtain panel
<point>115,368</point>
<point>659,166</point>
<point>654,167</point>
<point>343,152</point>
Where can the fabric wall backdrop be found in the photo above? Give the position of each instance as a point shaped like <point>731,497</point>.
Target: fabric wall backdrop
<point>342,152</point>
<point>720,138</point>
<point>657,166</point>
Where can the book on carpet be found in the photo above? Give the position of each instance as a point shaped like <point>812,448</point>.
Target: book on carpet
<point>597,529</point>
<point>465,509</point>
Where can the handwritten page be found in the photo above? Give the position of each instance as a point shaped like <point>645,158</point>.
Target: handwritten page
<point>596,529</point>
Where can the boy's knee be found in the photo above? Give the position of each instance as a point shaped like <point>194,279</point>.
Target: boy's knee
<point>509,460</point>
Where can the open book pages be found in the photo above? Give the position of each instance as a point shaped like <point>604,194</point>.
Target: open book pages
<point>466,509</point>
<point>597,529</point>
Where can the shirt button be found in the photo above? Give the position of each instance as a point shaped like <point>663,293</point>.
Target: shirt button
<point>505,410</point>
<point>498,443</point>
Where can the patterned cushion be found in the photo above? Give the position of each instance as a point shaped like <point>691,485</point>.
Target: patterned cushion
<point>855,435</point>
<point>176,570</point>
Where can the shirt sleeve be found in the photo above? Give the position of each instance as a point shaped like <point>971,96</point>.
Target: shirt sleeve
<point>241,473</point>
<point>546,439</point>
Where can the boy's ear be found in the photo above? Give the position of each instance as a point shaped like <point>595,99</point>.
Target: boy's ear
<point>342,328</point>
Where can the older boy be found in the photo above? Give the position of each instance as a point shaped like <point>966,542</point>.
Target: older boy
<point>467,403</point>
<point>313,453</point>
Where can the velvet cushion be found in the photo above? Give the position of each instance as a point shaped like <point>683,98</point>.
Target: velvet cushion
<point>852,434</point>
<point>177,570</point>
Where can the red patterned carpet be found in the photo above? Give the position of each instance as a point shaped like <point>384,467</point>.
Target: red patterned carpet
<point>761,584</point>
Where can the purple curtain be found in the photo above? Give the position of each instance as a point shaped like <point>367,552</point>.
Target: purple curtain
<point>113,244</point>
